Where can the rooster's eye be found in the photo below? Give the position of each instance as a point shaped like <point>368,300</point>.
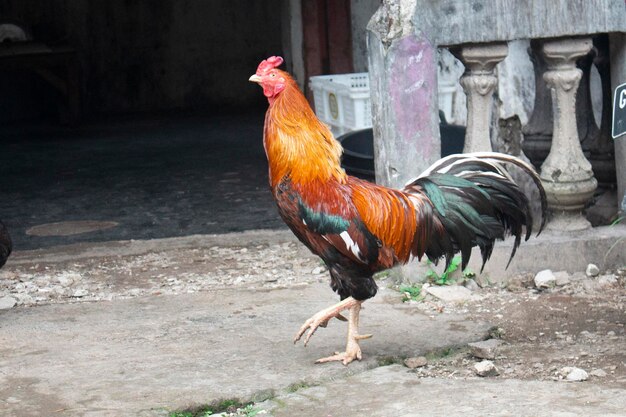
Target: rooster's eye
<point>272,75</point>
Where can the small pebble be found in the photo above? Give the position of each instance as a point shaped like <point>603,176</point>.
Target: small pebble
<point>417,362</point>
<point>592,270</point>
<point>486,368</point>
<point>574,374</point>
<point>545,279</point>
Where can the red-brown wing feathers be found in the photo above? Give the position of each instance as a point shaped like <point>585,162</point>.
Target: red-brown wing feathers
<point>328,209</point>
<point>401,221</point>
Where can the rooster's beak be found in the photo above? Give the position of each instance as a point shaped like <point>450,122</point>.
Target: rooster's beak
<point>255,79</point>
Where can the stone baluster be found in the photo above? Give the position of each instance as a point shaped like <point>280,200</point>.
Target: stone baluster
<point>566,174</point>
<point>602,149</point>
<point>538,130</point>
<point>479,82</point>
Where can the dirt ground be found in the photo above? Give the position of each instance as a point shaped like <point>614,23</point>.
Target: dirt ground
<point>544,332</point>
<point>578,324</point>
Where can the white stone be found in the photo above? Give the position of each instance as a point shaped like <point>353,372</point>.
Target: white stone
<point>7,302</point>
<point>485,349</point>
<point>600,373</point>
<point>451,293</point>
<point>486,368</point>
<point>562,278</point>
<point>318,270</point>
<point>574,374</point>
<point>592,270</point>
<point>545,279</point>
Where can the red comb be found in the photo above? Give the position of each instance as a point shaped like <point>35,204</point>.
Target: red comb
<point>269,64</point>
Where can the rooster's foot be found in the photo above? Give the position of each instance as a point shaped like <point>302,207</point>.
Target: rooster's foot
<point>322,318</point>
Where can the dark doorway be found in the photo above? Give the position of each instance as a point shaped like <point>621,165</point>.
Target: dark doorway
<point>327,37</point>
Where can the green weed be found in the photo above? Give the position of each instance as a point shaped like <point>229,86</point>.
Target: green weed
<point>618,220</point>
<point>296,386</point>
<point>413,292</point>
<point>231,405</point>
<point>446,276</point>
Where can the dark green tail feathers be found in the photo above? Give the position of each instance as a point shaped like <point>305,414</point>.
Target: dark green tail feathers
<point>477,202</point>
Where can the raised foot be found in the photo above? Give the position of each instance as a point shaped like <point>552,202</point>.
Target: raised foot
<point>322,318</point>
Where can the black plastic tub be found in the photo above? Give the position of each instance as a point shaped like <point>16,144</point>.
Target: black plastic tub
<point>358,148</point>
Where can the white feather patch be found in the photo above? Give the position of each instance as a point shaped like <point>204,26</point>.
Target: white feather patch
<point>351,245</point>
<point>489,157</point>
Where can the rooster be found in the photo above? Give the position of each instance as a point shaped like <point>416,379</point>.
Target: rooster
<point>358,228</point>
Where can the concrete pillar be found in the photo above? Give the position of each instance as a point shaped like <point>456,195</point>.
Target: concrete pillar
<point>538,130</point>
<point>479,82</point>
<point>617,47</point>
<point>566,174</point>
<point>403,87</point>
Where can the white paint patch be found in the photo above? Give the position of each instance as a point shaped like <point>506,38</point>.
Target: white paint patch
<point>416,59</point>
<point>416,86</point>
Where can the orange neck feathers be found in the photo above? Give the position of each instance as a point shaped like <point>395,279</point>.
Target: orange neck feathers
<point>297,144</point>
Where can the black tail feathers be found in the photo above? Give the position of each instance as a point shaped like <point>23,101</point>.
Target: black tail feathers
<point>476,202</point>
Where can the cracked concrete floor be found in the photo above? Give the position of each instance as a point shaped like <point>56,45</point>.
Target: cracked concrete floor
<point>173,334</point>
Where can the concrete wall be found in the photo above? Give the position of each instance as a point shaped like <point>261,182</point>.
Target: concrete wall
<point>140,55</point>
<point>362,11</point>
<point>293,40</point>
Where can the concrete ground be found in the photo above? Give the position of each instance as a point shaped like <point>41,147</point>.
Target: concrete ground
<point>161,331</point>
<point>147,354</point>
<point>396,391</point>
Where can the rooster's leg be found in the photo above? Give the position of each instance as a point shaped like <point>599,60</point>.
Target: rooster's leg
<point>353,350</point>
<point>323,317</point>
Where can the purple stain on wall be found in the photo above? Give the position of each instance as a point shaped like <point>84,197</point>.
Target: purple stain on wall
<point>413,87</point>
